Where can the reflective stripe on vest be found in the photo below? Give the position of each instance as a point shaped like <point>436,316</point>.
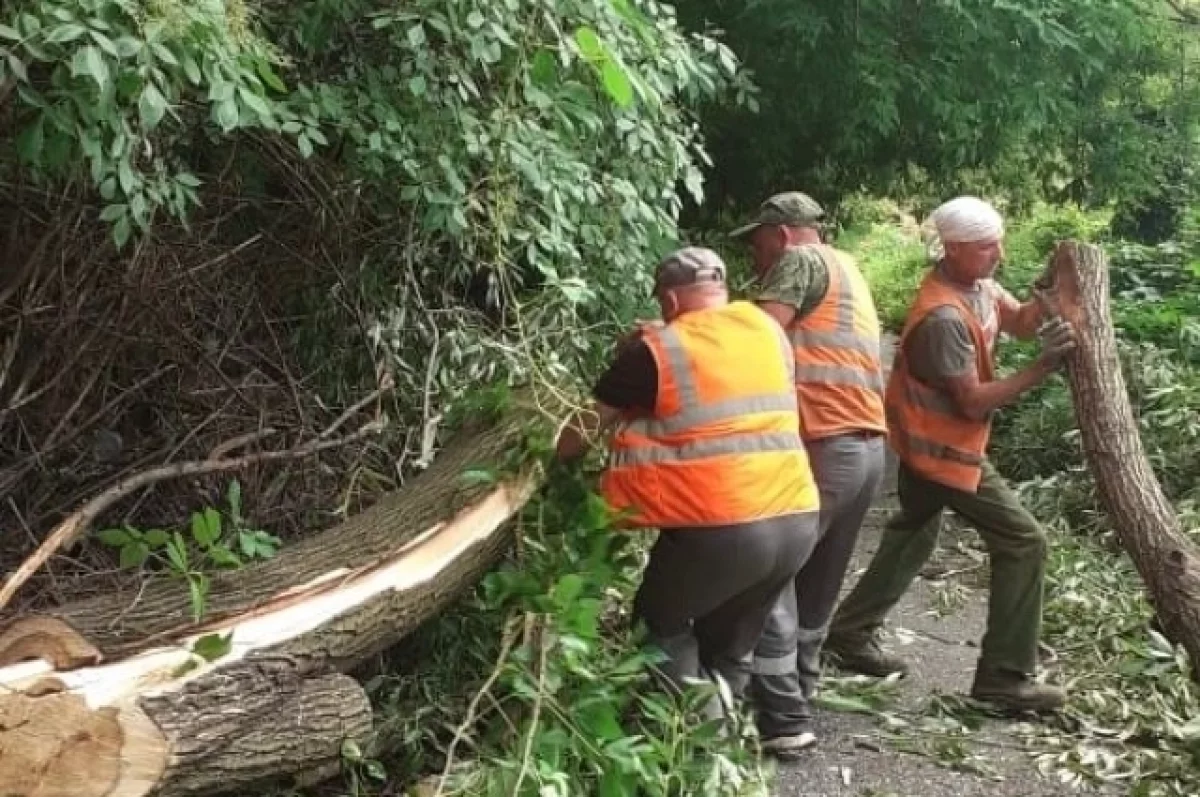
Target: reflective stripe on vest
<point>693,413</point>
<point>724,447</point>
<point>925,427</point>
<point>839,376</point>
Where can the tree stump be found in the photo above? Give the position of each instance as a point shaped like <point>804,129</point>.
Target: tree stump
<point>1076,286</point>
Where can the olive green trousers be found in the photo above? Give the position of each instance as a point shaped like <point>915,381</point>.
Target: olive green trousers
<point>1016,545</point>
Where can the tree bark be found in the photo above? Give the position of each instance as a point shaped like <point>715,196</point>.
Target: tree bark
<point>1076,286</point>
<point>152,717</point>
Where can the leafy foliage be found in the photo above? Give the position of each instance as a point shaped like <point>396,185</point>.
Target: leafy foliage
<point>1071,98</point>
<point>212,545</point>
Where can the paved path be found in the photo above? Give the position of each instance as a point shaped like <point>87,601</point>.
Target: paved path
<point>936,627</point>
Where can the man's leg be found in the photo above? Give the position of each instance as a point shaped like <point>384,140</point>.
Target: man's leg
<point>848,470</point>
<point>758,626</point>
<point>908,541</point>
<point>705,593</point>
<point>1016,546</point>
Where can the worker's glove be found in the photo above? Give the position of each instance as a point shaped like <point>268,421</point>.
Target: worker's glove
<point>1058,340</point>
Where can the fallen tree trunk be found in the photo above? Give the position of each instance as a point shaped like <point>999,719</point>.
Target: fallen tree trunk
<point>1076,285</point>
<point>153,717</point>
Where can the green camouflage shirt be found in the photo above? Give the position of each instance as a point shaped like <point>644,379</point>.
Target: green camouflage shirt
<point>799,279</point>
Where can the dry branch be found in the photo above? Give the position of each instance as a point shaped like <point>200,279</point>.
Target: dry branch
<point>1076,285</point>
<point>156,719</point>
<point>65,534</point>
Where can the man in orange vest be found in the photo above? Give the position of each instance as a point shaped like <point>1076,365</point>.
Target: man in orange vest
<point>821,300</point>
<point>940,399</point>
<point>705,448</point>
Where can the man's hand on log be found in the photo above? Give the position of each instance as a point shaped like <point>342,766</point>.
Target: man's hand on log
<point>1058,340</point>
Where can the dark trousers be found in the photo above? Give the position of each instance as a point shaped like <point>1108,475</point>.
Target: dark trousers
<point>706,593</point>
<point>848,470</point>
<point>1016,546</point>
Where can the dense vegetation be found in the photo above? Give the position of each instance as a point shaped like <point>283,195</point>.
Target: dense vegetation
<point>255,214</point>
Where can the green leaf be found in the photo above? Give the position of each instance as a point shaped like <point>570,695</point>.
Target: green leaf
<point>351,751</point>
<point>18,68</point>
<point>156,538</point>
<point>590,45</point>
<point>177,552</point>
<point>188,179</point>
<point>211,647</point>
<point>234,496</point>
<point>106,44</point>
<point>9,33</point>
<point>248,543</point>
<point>198,591</point>
<point>568,588</point>
<point>204,531</point>
<point>89,61</point>
<point>376,770</point>
<point>617,84</point>
<point>477,476</point>
<point>543,70</point>
<point>269,77</point>
<point>254,102</point>
<point>134,554</point>
<point>416,84</point>
<point>66,33</point>
<point>128,46</point>
<point>121,232</point>
<point>416,35</point>
<point>114,537</point>
<point>614,783</point>
<point>151,106</point>
<point>304,145</point>
<point>164,54</point>
<point>224,557</point>
<point>113,212</point>
<point>225,114</point>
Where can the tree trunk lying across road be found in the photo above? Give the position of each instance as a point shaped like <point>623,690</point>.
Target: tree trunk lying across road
<point>151,717</point>
<point>1076,285</point>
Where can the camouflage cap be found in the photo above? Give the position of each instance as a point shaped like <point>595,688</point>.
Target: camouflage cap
<point>688,266</point>
<point>790,209</point>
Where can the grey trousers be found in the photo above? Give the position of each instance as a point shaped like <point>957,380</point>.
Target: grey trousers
<point>706,594</point>
<point>848,470</point>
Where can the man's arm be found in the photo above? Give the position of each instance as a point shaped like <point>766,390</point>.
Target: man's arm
<point>790,285</point>
<point>583,427</point>
<point>977,400</point>
<point>1017,319</point>
<point>629,385</point>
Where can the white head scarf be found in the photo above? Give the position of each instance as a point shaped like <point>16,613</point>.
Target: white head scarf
<point>964,218</point>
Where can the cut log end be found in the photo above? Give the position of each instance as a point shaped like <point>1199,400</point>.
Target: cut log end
<point>49,639</point>
<point>55,745</point>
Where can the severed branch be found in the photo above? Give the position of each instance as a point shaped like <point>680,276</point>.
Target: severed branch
<point>1076,287</point>
<point>81,519</point>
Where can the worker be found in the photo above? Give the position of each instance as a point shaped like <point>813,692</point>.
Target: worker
<point>939,399</point>
<point>820,298</point>
<point>704,446</point>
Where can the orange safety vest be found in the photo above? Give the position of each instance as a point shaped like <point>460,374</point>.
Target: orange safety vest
<point>925,428</point>
<point>722,445</point>
<point>839,377</point>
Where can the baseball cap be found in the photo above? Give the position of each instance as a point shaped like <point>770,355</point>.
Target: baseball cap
<point>688,266</point>
<point>791,209</point>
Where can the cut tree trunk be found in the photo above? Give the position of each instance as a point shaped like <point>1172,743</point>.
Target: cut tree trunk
<point>1076,285</point>
<point>152,717</point>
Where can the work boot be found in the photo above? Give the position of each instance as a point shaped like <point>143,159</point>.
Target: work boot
<point>865,657</point>
<point>789,748</point>
<point>1015,691</point>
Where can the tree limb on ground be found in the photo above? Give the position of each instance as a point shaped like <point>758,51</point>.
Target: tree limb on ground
<point>274,702</point>
<point>1076,286</point>
<point>78,522</point>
